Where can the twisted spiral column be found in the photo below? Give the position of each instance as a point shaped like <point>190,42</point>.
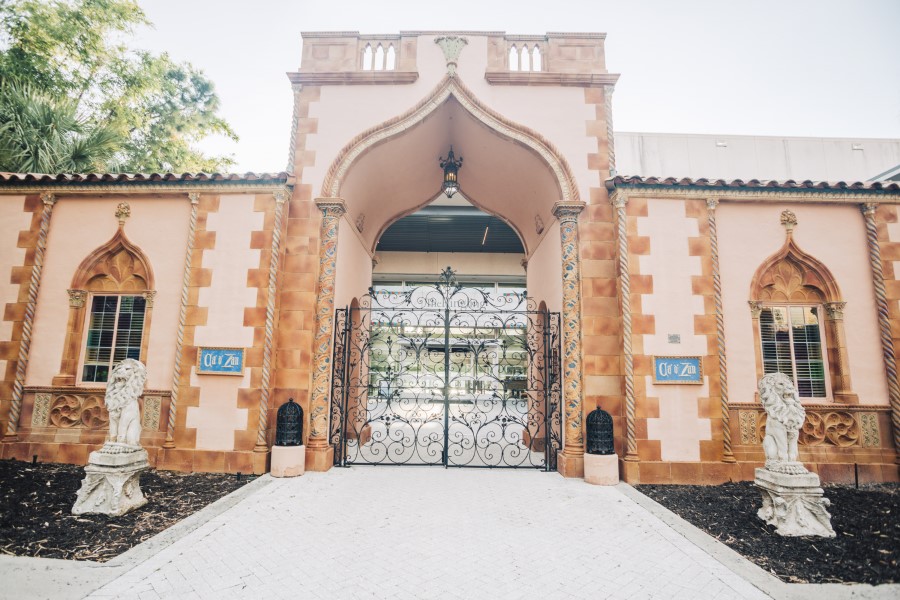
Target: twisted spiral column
<point>182,318</point>
<point>332,210</point>
<point>884,323</point>
<point>567,213</point>
<point>261,443</point>
<point>15,409</point>
<point>619,201</point>
<point>727,454</point>
<point>610,136</point>
<point>295,125</point>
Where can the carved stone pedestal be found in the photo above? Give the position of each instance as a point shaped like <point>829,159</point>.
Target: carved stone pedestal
<point>288,461</point>
<point>601,469</point>
<point>111,485</point>
<point>795,504</point>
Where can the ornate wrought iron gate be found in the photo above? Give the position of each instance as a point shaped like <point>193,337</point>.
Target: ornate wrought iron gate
<point>442,374</point>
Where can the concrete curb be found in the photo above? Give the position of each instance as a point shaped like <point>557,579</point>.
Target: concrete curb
<point>25,578</point>
<point>755,575</point>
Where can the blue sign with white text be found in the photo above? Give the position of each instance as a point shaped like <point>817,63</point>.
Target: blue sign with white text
<point>677,369</point>
<point>220,361</point>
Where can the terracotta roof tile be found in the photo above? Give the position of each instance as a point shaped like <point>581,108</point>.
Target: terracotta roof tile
<point>789,184</point>
<point>135,178</point>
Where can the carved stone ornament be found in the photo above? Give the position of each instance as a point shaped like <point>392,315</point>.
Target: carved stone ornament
<point>538,224</point>
<point>792,499</point>
<point>785,417</point>
<point>835,310</point>
<point>451,45</point>
<point>77,298</point>
<point>123,211</point>
<point>789,220</point>
<point>755,308</point>
<point>361,223</point>
<point>111,484</point>
<point>149,297</point>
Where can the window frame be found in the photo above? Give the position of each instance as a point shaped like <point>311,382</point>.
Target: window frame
<point>823,347</point>
<point>88,305</point>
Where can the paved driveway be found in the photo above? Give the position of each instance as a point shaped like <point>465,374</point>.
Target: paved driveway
<point>414,532</point>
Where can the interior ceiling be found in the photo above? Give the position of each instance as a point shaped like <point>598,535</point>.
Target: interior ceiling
<point>402,174</point>
<point>450,229</point>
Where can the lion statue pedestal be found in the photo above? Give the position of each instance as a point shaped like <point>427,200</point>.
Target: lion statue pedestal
<point>793,499</point>
<point>111,485</point>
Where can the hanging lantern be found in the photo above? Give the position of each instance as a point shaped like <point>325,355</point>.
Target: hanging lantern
<point>451,173</point>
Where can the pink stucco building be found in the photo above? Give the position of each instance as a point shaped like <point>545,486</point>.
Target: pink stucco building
<point>661,300</point>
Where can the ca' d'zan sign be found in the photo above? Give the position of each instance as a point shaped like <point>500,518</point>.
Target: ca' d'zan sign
<point>677,369</point>
<point>220,361</point>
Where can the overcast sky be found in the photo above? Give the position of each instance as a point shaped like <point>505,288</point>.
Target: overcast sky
<point>821,68</point>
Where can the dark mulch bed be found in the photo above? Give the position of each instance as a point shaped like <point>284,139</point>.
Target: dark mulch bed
<point>36,510</point>
<point>866,520</point>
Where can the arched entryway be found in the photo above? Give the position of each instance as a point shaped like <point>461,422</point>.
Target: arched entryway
<point>510,172</point>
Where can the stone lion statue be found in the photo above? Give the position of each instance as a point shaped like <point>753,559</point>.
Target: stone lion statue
<point>126,383</point>
<point>785,417</point>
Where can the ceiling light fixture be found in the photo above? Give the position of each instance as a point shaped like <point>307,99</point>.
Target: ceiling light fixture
<point>451,168</point>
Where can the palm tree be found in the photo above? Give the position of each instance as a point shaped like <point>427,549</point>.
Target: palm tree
<point>40,133</point>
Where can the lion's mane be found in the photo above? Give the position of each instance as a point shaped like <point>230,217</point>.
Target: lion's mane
<point>789,415</point>
<point>122,391</point>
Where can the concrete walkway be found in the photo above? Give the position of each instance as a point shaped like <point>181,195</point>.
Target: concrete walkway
<point>431,533</point>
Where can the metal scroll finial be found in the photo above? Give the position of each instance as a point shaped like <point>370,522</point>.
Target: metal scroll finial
<point>451,45</point>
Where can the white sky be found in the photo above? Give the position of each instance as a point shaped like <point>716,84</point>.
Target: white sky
<point>821,68</point>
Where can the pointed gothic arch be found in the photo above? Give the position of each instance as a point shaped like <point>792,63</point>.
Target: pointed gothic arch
<point>117,268</point>
<point>792,277</point>
<point>451,86</point>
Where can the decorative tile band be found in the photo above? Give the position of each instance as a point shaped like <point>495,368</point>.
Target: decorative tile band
<point>150,415</point>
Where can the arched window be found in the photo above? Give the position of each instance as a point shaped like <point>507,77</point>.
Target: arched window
<point>379,58</point>
<point>391,58</point>
<point>111,297</point>
<point>367,58</point>
<point>536,64</point>
<point>798,323</point>
<point>513,58</point>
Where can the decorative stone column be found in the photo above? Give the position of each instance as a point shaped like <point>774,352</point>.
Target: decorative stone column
<point>261,443</point>
<point>884,323</point>
<point>619,201</point>
<point>756,307</point>
<point>571,462</point>
<point>15,408</point>
<point>182,319</point>
<point>727,454</point>
<point>74,330</point>
<point>842,390</point>
<point>319,453</point>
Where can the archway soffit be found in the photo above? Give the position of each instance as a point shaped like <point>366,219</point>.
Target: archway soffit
<point>451,86</point>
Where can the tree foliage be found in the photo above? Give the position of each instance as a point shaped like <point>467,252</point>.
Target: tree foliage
<point>69,61</point>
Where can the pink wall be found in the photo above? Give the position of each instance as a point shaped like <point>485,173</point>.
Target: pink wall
<point>159,227</point>
<point>354,266</point>
<point>835,235</point>
<point>544,276</point>
<point>13,219</point>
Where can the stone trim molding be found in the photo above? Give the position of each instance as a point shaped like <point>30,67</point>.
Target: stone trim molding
<point>884,322</point>
<point>355,78</point>
<point>194,197</point>
<point>15,409</point>
<point>451,86</point>
<point>768,195</point>
<point>261,442</point>
<point>75,189</point>
<point>727,454</point>
<point>545,78</point>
